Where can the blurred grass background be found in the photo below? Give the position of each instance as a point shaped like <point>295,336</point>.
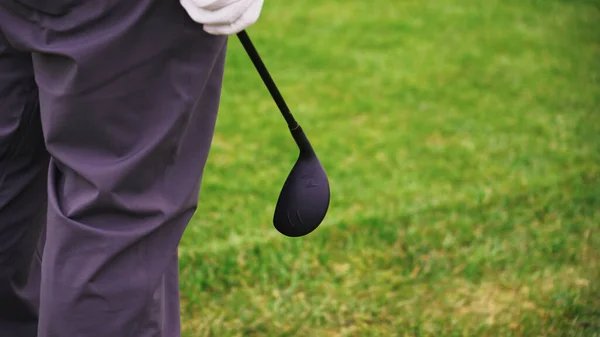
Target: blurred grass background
<point>462,142</point>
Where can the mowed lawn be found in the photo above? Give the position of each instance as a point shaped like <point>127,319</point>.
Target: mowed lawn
<point>462,142</point>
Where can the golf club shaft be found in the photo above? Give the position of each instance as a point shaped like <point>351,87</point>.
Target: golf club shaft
<point>267,79</point>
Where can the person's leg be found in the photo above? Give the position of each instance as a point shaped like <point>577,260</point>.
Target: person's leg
<point>129,92</point>
<point>23,171</point>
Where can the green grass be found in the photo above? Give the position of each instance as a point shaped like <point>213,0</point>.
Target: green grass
<point>462,142</point>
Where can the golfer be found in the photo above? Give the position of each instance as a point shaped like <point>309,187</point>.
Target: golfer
<point>107,111</point>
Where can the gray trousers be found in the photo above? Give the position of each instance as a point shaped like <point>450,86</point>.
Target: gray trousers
<point>107,112</point>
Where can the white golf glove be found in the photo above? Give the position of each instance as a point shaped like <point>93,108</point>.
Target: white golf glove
<point>223,17</point>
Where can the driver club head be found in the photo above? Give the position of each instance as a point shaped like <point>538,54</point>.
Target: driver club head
<point>304,198</point>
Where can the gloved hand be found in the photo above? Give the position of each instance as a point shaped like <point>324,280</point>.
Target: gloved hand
<point>223,17</point>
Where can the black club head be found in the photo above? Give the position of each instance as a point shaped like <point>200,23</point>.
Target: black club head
<point>304,198</point>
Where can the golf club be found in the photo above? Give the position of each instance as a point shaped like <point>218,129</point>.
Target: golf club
<point>304,198</point>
